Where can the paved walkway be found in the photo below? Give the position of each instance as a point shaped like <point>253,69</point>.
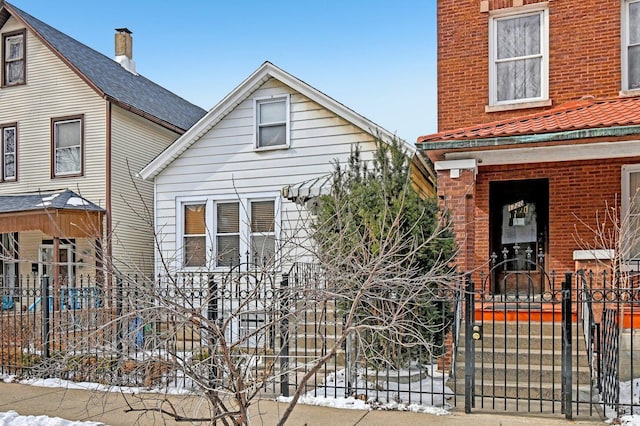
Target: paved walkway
<point>110,408</point>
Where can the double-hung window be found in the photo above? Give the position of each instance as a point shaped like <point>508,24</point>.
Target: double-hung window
<point>9,152</point>
<point>227,233</point>
<point>13,58</point>
<point>631,45</point>
<point>67,146</point>
<point>629,243</point>
<point>272,122</point>
<point>518,51</point>
<point>262,232</point>
<point>195,237</point>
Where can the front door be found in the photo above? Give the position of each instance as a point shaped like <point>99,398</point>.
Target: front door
<point>64,263</point>
<point>519,223</point>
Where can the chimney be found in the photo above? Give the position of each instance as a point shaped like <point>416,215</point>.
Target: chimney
<point>124,50</point>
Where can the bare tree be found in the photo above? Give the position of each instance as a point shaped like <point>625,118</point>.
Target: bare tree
<point>226,334</point>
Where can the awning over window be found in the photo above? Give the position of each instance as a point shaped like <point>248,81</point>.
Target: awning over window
<point>62,214</point>
<point>311,188</point>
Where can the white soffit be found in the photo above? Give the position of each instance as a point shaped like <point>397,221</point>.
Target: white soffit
<point>546,154</point>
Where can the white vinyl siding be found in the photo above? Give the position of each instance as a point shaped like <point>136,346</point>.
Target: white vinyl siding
<point>53,90</point>
<point>132,202</point>
<point>518,57</point>
<point>630,45</point>
<point>224,163</point>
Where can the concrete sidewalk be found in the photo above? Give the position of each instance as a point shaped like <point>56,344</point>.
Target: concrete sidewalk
<point>110,408</point>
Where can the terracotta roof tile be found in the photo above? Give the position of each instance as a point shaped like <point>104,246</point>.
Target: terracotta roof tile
<point>575,115</point>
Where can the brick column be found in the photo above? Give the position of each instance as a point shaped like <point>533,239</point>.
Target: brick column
<point>456,197</point>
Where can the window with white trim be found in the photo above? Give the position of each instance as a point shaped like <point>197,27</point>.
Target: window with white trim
<point>13,58</point>
<point>272,122</point>
<point>227,233</point>
<point>67,146</point>
<point>630,213</point>
<point>9,152</point>
<point>631,45</point>
<point>262,232</point>
<point>518,52</point>
<point>195,236</point>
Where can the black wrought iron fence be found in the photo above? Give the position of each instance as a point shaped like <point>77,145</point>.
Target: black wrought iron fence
<point>137,331</point>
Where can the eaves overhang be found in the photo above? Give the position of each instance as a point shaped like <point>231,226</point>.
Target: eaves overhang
<point>503,141</point>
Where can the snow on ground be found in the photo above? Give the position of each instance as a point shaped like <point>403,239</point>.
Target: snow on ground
<point>11,418</point>
<point>427,395</point>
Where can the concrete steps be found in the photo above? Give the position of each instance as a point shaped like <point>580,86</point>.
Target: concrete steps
<point>523,360</point>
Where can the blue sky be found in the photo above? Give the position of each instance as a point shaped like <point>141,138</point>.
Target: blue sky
<point>378,57</point>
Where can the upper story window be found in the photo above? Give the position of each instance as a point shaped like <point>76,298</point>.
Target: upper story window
<point>13,58</point>
<point>67,146</point>
<point>272,122</point>
<point>631,45</point>
<point>518,51</point>
<point>9,152</point>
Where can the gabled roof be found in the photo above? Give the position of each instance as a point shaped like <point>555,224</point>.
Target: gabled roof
<point>243,91</point>
<point>584,114</point>
<point>55,200</point>
<point>109,79</point>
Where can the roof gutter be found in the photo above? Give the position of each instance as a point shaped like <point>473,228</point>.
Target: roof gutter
<point>534,138</point>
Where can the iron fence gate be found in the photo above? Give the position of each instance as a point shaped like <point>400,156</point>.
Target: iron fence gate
<point>567,347</point>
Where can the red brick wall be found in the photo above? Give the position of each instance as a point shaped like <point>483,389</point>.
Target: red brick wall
<point>456,197</point>
<point>584,56</point>
<point>577,192</point>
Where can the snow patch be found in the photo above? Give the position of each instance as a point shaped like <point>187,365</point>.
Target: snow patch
<point>77,201</point>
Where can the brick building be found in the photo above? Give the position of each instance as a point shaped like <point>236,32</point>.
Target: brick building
<point>539,130</point>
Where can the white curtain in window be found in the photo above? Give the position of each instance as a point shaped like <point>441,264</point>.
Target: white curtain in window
<point>68,147</point>
<point>519,58</point>
<point>9,147</point>
<point>633,49</point>
<point>14,59</point>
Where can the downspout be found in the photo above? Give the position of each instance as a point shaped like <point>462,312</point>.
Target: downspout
<point>109,259</point>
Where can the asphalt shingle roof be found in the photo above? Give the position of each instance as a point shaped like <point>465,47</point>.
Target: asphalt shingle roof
<point>113,80</point>
<point>58,200</point>
<point>577,115</point>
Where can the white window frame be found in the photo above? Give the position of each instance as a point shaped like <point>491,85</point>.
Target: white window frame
<point>624,46</point>
<point>625,203</point>
<point>287,122</point>
<point>184,235</point>
<point>533,9</point>
<point>244,201</point>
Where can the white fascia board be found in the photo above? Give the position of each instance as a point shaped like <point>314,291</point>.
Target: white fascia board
<point>462,164</point>
<point>547,154</point>
<point>240,93</point>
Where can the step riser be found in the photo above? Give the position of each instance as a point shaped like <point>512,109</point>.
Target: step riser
<point>525,359</point>
<point>524,378</point>
<point>524,343</point>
